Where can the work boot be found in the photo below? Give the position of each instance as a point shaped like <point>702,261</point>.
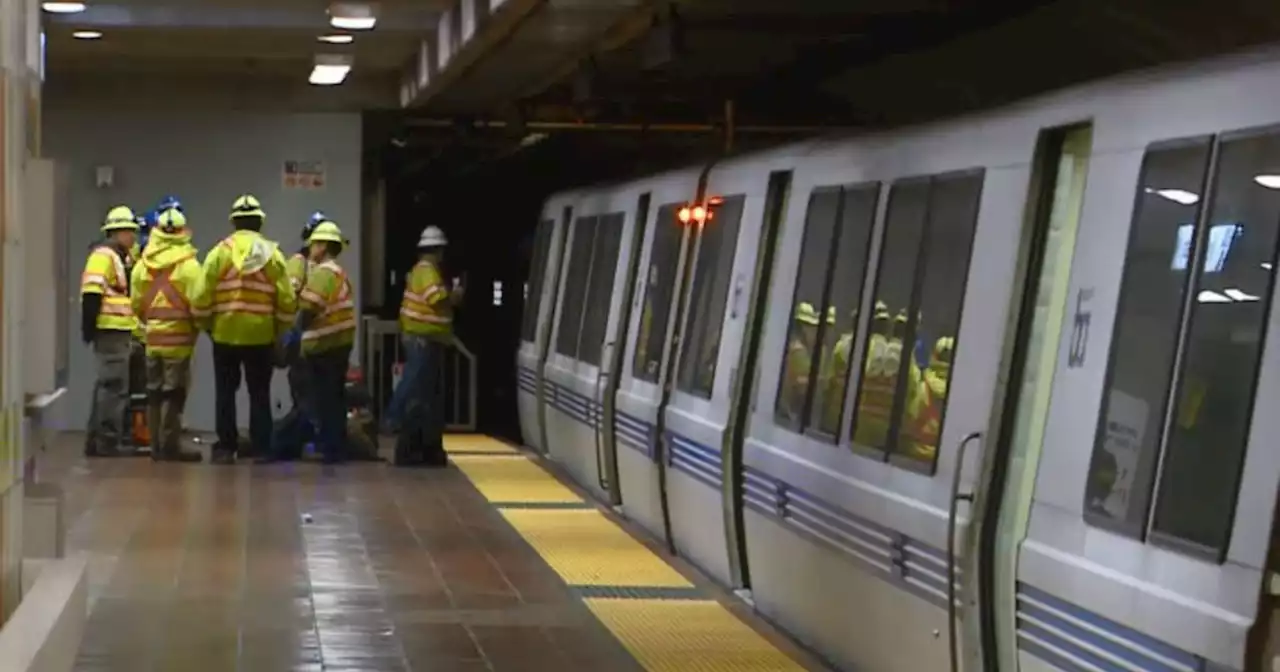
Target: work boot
<point>222,455</point>
<point>177,454</point>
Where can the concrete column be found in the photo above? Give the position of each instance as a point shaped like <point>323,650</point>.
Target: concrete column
<point>20,84</point>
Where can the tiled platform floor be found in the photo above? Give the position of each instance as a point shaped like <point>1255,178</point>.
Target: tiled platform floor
<point>292,567</point>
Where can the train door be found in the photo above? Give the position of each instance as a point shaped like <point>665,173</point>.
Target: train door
<point>742,378</point>
<point>555,273</point>
<point>529,356</point>
<point>1036,325</point>
<point>607,381</point>
<point>724,225</point>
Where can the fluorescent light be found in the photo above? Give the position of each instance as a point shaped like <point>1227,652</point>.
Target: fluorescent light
<point>336,39</point>
<point>328,75</point>
<point>86,35</point>
<point>1240,295</point>
<point>353,22</point>
<point>1266,265</point>
<point>63,7</point>
<point>1268,181</point>
<point>1207,296</point>
<point>1180,196</point>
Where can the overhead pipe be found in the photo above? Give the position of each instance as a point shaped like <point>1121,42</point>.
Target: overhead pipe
<point>638,127</point>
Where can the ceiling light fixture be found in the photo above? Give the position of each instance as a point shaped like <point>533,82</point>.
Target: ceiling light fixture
<point>330,69</point>
<point>336,39</point>
<point>1179,196</point>
<point>1208,296</point>
<point>1240,295</point>
<point>1268,181</point>
<point>87,35</point>
<point>352,16</point>
<point>63,7</point>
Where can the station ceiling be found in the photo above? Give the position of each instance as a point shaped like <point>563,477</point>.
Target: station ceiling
<point>648,77</point>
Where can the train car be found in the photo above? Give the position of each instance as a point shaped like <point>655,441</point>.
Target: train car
<point>988,393</point>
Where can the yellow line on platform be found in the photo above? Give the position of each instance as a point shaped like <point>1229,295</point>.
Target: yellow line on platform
<point>586,549</point>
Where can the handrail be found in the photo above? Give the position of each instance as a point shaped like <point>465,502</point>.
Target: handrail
<point>378,373</point>
<point>953,514</point>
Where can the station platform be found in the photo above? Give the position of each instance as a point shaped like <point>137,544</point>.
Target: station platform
<point>493,564</point>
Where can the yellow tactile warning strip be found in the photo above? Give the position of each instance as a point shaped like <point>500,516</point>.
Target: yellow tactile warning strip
<point>513,479</point>
<point>477,443</point>
<point>587,549</point>
<point>687,631</point>
<point>688,635</point>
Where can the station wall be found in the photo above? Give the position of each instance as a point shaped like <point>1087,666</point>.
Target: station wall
<point>206,156</point>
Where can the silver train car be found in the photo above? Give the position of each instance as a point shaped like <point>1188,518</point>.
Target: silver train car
<point>988,393</point>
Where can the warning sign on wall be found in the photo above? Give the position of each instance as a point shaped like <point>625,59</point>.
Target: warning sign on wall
<point>304,175</point>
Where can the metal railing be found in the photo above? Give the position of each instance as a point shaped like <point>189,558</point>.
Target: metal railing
<point>383,360</point>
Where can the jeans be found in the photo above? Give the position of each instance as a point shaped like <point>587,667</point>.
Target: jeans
<point>413,353</point>
<point>258,364</point>
<point>327,381</point>
<point>426,390</point>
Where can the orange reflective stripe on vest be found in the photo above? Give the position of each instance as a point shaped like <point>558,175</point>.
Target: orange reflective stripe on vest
<point>240,288</point>
<point>178,308</point>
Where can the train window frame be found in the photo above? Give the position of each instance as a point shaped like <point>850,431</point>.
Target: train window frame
<point>888,454</point>
<point>580,224</point>
<point>1145,526</point>
<point>692,339</point>
<point>542,236</point>
<point>865,228</point>
<point>799,424</point>
<point>597,302</point>
<point>665,222</point>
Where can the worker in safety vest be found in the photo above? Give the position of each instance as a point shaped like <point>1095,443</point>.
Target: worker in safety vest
<point>325,330</point>
<point>299,262</point>
<point>170,301</point>
<point>833,399</point>
<point>426,328</point>
<point>799,360</point>
<point>924,414</point>
<point>875,401</point>
<point>252,305</point>
<point>107,323</point>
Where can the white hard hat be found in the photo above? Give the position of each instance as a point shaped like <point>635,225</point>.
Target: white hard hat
<point>432,236</point>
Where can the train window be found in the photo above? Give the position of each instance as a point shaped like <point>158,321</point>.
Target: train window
<point>940,287</point>
<point>537,273</point>
<point>919,293</point>
<point>895,280</point>
<point>659,283</point>
<point>807,305</point>
<point>1140,367</point>
<point>581,244</point>
<point>844,291</point>
<point>1218,370</point>
<point>709,295</point>
<point>604,266</point>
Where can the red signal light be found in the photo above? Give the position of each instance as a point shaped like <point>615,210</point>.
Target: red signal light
<point>684,215</point>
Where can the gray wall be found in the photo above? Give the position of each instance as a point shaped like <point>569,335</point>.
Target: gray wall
<point>206,157</point>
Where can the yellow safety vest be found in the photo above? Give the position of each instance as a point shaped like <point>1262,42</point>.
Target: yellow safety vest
<point>296,268</point>
<point>252,299</point>
<point>168,295</point>
<point>328,294</point>
<point>105,274</point>
<point>425,308</point>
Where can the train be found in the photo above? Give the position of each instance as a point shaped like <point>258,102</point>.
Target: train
<point>985,393</point>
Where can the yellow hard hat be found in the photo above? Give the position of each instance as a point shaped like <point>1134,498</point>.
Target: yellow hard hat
<point>943,348</point>
<point>119,218</point>
<point>831,314</point>
<point>247,206</point>
<point>882,311</point>
<point>327,232</point>
<point>901,317</point>
<point>805,314</point>
<point>171,220</point>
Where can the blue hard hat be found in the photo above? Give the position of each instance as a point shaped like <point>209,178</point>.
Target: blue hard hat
<point>312,222</point>
<point>168,202</point>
